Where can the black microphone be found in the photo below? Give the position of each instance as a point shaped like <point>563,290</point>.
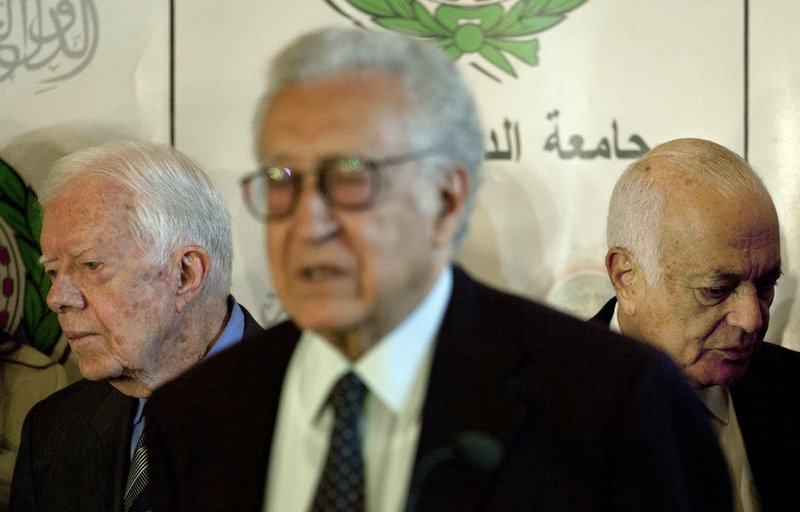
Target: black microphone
<point>477,451</point>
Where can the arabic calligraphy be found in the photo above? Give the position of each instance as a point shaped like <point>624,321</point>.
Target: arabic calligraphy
<point>56,38</point>
<point>603,149</point>
<point>513,148</point>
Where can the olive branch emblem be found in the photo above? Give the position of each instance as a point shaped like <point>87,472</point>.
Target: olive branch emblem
<point>20,208</point>
<point>488,30</point>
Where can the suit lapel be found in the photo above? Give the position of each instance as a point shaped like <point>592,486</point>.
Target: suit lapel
<point>470,389</point>
<point>251,327</point>
<point>606,313</point>
<point>107,452</point>
<point>255,407</point>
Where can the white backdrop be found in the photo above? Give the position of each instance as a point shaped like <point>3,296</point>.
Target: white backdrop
<point>620,76</point>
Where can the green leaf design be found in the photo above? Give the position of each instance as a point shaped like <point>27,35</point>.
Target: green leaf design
<point>13,217</point>
<point>33,215</point>
<point>33,308</point>
<point>20,209</point>
<point>487,30</point>
<point>402,7</point>
<point>30,258</point>
<point>534,7</point>
<point>511,18</point>
<point>373,7</point>
<point>561,6</point>
<point>491,54</point>
<point>10,184</point>
<point>40,325</point>
<point>429,21</point>
<point>449,48</point>
<point>526,51</point>
<point>451,16</point>
<point>48,331</point>
<point>406,26</point>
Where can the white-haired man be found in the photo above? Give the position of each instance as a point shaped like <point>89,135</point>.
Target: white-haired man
<point>137,242</point>
<point>694,256</point>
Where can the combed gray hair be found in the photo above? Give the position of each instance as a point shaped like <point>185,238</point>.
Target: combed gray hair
<point>444,115</point>
<point>638,202</point>
<point>174,200</point>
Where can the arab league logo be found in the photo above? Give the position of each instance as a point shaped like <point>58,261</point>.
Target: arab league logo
<point>23,283</point>
<point>491,31</point>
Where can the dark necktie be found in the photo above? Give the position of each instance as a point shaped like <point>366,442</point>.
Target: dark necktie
<point>341,487</point>
<point>137,489</point>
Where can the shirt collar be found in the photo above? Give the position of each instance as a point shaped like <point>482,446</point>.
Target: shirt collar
<point>138,415</point>
<point>614,323</point>
<point>715,398</point>
<point>233,331</point>
<point>389,369</point>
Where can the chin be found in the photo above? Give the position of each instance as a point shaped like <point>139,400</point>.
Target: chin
<point>93,368</point>
<point>130,387</point>
<point>92,372</point>
<point>723,375</point>
<point>330,319</point>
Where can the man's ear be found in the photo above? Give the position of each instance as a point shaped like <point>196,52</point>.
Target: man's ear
<point>625,275</point>
<point>453,193</point>
<point>195,264</point>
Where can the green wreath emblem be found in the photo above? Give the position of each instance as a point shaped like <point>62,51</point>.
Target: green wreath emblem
<point>20,208</point>
<point>487,30</point>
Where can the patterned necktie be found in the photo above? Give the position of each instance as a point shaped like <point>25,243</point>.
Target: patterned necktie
<point>137,489</point>
<point>341,487</point>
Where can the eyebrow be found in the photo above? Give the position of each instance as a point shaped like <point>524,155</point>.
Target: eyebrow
<point>774,273</point>
<point>43,260</point>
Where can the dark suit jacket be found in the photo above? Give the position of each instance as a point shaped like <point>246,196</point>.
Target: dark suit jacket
<point>588,420</point>
<point>767,403</point>
<point>75,448</point>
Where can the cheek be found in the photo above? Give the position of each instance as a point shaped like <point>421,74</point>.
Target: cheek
<point>696,336</point>
<point>275,247</point>
<point>671,331</point>
<point>143,305</point>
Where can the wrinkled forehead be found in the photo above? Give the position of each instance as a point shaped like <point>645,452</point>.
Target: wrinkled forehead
<point>361,113</point>
<point>738,234</point>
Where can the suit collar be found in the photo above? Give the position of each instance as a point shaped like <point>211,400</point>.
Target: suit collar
<point>606,312</point>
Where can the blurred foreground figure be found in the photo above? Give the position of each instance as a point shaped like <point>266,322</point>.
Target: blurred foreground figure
<point>399,381</point>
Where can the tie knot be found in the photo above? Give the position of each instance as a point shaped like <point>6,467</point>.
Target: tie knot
<point>347,396</point>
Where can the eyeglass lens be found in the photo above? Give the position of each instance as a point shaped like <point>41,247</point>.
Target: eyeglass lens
<point>346,182</point>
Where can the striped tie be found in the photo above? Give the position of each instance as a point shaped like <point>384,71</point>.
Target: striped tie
<point>341,487</point>
<point>137,490</point>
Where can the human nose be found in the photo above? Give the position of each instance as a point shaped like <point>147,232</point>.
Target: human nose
<point>64,294</point>
<point>313,212</point>
<point>748,312</point>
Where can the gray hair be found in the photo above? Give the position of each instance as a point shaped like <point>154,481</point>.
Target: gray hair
<point>638,202</point>
<point>175,201</point>
<point>444,115</point>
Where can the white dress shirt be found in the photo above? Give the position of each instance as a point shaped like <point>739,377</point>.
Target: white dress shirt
<point>395,372</point>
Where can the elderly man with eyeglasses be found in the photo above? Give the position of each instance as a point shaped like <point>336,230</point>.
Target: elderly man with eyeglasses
<point>400,383</point>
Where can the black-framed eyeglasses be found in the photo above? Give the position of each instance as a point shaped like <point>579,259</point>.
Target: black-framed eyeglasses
<point>347,182</point>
